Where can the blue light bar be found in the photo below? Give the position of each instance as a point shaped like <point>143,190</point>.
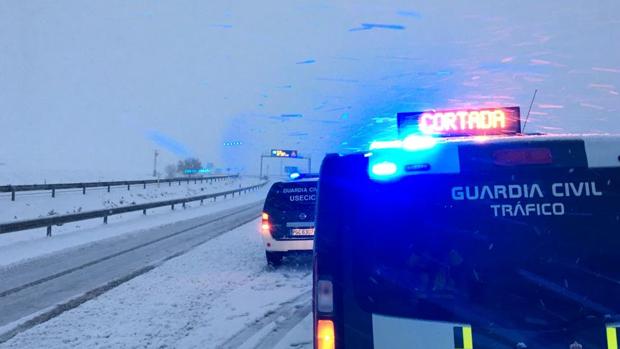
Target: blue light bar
<point>384,169</point>
<point>415,142</point>
<point>386,144</point>
<point>412,143</point>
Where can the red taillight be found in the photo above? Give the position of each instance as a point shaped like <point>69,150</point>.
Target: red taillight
<point>526,156</point>
<point>325,335</point>
<point>324,302</point>
<point>265,225</point>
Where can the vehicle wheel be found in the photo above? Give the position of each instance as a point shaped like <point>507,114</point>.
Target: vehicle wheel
<point>274,259</point>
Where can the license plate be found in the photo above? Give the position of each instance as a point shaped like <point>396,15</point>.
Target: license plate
<point>302,231</point>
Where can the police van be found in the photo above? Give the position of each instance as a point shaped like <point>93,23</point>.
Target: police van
<point>288,217</point>
<point>466,234</point>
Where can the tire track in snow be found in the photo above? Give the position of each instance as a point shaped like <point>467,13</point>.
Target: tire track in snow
<point>266,332</point>
<point>74,302</point>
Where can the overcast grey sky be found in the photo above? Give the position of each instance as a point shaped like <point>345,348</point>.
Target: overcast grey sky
<point>95,86</point>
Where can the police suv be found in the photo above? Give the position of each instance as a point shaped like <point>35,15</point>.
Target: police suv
<point>485,239</point>
<point>288,218</point>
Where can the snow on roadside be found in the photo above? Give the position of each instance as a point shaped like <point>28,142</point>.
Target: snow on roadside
<point>25,171</point>
<point>197,300</point>
<point>19,246</point>
<point>31,205</point>
<point>300,337</point>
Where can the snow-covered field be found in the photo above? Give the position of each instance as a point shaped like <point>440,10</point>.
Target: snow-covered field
<point>22,171</point>
<point>19,246</point>
<point>29,205</point>
<point>218,295</point>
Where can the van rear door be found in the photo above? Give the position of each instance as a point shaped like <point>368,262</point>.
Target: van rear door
<point>516,250</point>
<point>291,206</point>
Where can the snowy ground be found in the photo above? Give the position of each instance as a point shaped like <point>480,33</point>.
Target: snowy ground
<point>30,205</point>
<point>22,171</point>
<point>218,295</point>
<point>19,246</point>
<point>299,337</point>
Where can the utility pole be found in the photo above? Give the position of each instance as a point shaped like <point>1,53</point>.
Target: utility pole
<point>155,155</point>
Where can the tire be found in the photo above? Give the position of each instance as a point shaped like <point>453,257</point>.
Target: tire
<point>274,259</point>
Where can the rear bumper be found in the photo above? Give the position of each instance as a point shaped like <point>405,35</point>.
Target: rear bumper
<point>273,245</point>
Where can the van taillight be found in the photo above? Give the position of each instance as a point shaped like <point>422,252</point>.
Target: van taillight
<point>265,225</point>
<point>325,335</point>
<point>325,296</point>
<point>324,302</point>
<point>525,156</point>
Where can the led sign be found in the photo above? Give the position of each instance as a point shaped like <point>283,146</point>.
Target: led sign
<point>466,122</point>
<point>281,153</point>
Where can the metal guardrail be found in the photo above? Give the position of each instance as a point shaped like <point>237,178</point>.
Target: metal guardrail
<point>83,185</point>
<point>48,222</point>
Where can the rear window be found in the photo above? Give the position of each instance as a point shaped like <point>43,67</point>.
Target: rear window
<point>286,196</point>
<point>528,257</point>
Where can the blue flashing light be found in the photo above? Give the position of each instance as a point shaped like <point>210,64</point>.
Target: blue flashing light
<point>389,160</point>
<point>411,143</point>
<point>386,144</point>
<point>417,142</point>
<point>384,169</point>
<point>294,175</point>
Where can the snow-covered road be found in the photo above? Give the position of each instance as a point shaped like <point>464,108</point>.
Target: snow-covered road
<point>219,295</point>
<point>23,245</point>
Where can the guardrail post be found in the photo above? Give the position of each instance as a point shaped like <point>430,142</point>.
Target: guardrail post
<point>183,205</point>
<point>13,195</point>
<point>201,201</point>
<point>83,190</point>
<point>128,186</point>
<point>172,206</point>
<point>53,193</point>
<point>144,212</point>
<point>195,181</point>
<point>179,182</point>
<point>49,231</point>
<point>144,185</point>
<point>105,219</point>
<point>170,183</point>
<point>108,188</point>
